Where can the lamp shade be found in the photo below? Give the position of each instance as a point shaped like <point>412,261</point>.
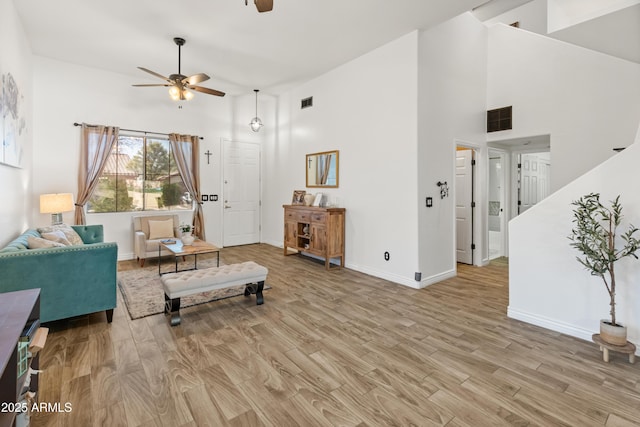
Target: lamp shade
<point>56,203</point>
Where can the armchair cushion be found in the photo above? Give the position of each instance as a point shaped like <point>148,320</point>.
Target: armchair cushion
<point>161,229</point>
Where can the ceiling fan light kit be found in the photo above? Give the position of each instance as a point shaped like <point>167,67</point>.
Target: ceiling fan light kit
<point>181,87</point>
<point>256,123</point>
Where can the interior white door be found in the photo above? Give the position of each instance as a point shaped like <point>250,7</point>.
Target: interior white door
<point>241,193</point>
<point>496,204</point>
<point>528,181</point>
<point>535,171</point>
<point>464,210</point>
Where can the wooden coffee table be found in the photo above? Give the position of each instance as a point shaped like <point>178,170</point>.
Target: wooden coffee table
<point>179,250</point>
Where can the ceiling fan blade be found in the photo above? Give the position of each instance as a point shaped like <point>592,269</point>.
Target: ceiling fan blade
<point>149,85</point>
<point>154,73</point>
<point>206,90</point>
<point>195,79</point>
<point>264,5</point>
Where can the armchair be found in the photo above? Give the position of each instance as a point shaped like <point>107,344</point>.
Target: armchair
<point>146,239</point>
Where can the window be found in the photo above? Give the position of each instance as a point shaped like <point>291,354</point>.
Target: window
<point>140,175</point>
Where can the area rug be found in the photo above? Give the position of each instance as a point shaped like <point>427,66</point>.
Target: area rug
<point>143,294</point>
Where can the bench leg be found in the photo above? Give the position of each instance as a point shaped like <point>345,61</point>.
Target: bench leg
<point>172,307</point>
<point>109,315</point>
<point>255,288</point>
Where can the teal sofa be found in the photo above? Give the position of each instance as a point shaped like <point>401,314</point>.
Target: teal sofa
<point>73,280</point>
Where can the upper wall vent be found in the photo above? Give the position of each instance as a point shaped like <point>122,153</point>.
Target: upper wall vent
<point>499,119</point>
<point>307,102</point>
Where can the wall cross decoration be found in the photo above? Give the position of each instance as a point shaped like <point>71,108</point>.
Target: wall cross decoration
<point>208,154</point>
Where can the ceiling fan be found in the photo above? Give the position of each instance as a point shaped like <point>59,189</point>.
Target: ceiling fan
<point>262,5</point>
<point>180,86</point>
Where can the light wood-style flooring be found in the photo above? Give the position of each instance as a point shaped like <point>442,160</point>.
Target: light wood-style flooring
<point>335,348</point>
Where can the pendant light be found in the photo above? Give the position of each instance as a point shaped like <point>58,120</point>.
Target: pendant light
<point>256,123</point>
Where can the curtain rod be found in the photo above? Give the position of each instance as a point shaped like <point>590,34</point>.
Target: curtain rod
<point>133,130</point>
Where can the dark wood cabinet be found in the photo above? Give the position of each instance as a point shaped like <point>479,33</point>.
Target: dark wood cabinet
<point>18,311</point>
<point>315,230</point>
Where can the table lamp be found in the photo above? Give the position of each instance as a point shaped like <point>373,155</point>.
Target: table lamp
<point>55,204</point>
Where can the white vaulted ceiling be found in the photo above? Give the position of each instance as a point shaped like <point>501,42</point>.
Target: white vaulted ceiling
<point>237,46</point>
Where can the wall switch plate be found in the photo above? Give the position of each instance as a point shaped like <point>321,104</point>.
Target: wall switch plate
<point>429,202</point>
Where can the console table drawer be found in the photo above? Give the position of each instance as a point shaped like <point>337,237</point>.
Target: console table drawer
<point>304,216</point>
<point>317,217</point>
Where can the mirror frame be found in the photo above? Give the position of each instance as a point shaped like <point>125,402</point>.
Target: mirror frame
<point>306,168</point>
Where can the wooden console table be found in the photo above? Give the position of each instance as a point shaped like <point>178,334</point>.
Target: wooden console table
<point>315,230</point>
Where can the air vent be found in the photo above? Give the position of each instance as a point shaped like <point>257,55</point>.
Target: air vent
<point>306,103</point>
<point>499,119</point>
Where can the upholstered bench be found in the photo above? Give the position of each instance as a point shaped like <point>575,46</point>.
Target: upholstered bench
<point>182,284</point>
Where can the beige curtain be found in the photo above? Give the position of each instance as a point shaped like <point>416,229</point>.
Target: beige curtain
<point>96,145</point>
<point>185,151</point>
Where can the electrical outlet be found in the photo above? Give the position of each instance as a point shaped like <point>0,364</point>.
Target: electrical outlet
<point>387,256</point>
<point>429,202</point>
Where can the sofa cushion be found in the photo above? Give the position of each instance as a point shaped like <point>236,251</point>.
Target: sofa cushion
<point>20,243</point>
<point>73,237</point>
<point>160,229</point>
<point>39,243</point>
<point>56,236</point>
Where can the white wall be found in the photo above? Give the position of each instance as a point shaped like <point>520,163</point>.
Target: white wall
<point>68,93</point>
<point>366,109</point>
<point>15,58</point>
<point>451,109</point>
<point>547,285</point>
<point>587,101</point>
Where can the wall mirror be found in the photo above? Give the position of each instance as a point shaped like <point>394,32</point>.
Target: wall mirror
<point>322,169</point>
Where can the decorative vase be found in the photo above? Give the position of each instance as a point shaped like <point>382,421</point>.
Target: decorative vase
<point>614,335</point>
<point>187,239</point>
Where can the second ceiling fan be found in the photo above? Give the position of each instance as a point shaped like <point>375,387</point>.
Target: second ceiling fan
<point>180,86</point>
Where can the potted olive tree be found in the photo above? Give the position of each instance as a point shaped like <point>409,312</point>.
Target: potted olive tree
<point>595,236</point>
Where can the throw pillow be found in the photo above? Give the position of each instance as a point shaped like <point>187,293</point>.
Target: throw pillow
<point>57,236</point>
<point>39,242</point>
<point>71,235</point>
<point>160,229</point>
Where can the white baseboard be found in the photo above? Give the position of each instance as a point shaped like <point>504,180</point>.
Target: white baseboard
<point>551,324</point>
<point>554,325</point>
<point>437,278</point>
<point>126,257</point>
<point>401,280</point>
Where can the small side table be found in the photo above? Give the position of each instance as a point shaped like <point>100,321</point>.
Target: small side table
<point>628,348</point>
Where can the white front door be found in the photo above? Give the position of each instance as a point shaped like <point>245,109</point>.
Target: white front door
<point>241,193</point>
<point>464,210</point>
